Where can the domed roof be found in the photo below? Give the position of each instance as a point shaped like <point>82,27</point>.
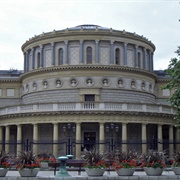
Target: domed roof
<point>88,26</point>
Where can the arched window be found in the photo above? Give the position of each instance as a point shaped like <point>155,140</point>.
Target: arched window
<point>89,55</point>
<point>60,56</point>
<point>139,59</point>
<point>117,56</point>
<point>38,60</point>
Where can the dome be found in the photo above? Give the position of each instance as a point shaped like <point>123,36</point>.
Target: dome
<point>88,26</point>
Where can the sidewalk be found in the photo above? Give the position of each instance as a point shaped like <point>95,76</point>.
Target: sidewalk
<point>49,175</point>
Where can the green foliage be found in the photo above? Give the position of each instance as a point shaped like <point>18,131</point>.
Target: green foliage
<point>174,84</point>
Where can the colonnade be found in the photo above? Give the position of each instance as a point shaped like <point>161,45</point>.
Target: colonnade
<point>79,137</point>
<point>146,53</point>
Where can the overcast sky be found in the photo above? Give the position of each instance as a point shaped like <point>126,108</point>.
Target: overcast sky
<point>22,19</point>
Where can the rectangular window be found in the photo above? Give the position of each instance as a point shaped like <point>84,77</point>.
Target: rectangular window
<point>90,97</point>
<point>10,92</point>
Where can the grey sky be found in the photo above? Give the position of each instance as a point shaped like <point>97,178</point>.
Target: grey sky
<point>156,20</point>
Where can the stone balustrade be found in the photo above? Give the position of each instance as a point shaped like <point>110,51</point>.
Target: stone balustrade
<point>88,106</point>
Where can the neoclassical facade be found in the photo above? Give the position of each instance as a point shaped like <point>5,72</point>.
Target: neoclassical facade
<point>82,87</point>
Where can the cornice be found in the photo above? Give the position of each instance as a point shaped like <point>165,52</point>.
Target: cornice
<point>10,80</point>
<point>87,67</point>
<point>67,33</point>
<point>54,113</point>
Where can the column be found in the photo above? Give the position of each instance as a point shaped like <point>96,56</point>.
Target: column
<point>41,56</point>
<point>124,136</point>
<point>24,62</point>
<point>101,137</point>
<point>136,57</point>
<point>53,53</point>
<point>144,139</point>
<point>112,52</point>
<point>33,59</point>
<point>78,140</point>
<point>97,51</point>
<point>1,137</point>
<point>171,145</point>
<point>152,63</point>
<point>55,139</point>
<point>144,59</point>
<point>7,138</point>
<point>149,61</point>
<point>177,139</point>
<point>160,137</point>
<point>81,52</point>
<point>35,138</point>
<point>27,61</point>
<point>66,52</point>
<point>19,137</point>
<point>125,54</point>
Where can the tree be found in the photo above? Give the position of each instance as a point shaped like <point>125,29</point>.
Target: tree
<point>174,84</point>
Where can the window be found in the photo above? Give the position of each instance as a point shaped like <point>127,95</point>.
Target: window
<point>89,97</point>
<point>89,55</point>
<point>60,56</point>
<point>38,60</point>
<point>10,92</point>
<point>117,56</point>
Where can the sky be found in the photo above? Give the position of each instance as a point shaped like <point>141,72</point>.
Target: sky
<point>154,19</point>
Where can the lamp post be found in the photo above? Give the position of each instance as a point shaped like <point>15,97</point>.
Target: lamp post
<point>111,129</point>
<point>69,130</point>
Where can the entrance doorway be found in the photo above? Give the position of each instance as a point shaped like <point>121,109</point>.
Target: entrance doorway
<point>89,140</point>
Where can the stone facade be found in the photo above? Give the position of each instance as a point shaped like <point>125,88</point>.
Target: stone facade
<point>82,87</point>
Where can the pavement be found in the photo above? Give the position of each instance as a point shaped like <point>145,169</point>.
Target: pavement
<point>49,175</point>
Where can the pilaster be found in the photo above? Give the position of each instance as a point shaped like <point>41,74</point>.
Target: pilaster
<point>55,139</point>
<point>78,140</point>
<point>101,137</point>
<point>124,137</point>
<point>19,137</point>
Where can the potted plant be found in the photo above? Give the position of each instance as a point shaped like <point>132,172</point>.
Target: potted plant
<point>153,162</point>
<point>124,162</point>
<point>27,164</point>
<point>95,162</point>
<point>4,165</point>
<point>176,163</point>
<point>45,158</point>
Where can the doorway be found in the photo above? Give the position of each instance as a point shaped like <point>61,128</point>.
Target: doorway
<point>89,140</point>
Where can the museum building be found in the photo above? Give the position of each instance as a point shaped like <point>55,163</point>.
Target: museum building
<point>83,87</point>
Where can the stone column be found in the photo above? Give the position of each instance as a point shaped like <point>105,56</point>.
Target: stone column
<point>27,61</point>
<point>81,52</point>
<point>171,145</point>
<point>101,137</point>
<point>19,137</point>
<point>1,137</point>
<point>41,56</point>
<point>125,54</point>
<point>97,51</point>
<point>55,139</point>
<point>152,63</point>
<point>33,59</point>
<point>144,138</point>
<point>160,148</point>
<point>177,139</point>
<point>124,136</point>
<point>144,59</point>
<point>66,52</point>
<point>53,53</point>
<point>112,52</point>
<point>136,57</point>
<point>35,138</point>
<point>7,138</point>
<point>78,140</point>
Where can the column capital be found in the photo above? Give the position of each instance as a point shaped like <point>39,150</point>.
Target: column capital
<point>125,44</point>
<point>52,43</point>
<point>66,42</point>
<point>41,46</point>
<point>97,41</point>
<point>81,41</point>
<point>32,49</point>
<point>136,46</point>
<point>112,42</point>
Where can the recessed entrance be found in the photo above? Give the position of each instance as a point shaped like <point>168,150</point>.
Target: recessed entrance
<point>89,140</point>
